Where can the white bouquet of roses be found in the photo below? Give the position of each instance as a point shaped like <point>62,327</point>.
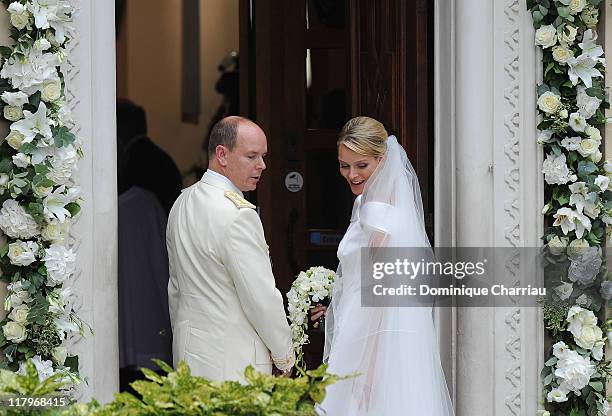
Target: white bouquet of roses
<point>309,288</point>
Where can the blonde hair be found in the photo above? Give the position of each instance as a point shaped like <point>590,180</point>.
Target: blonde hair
<point>365,136</point>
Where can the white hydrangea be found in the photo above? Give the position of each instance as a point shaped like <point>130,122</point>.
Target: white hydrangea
<point>60,264</point>
<point>571,143</point>
<point>16,222</point>
<point>63,164</point>
<point>22,253</point>
<point>564,290</point>
<point>577,122</point>
<point>28,74</point>
<point>587,105</point>
<point>555,170</point>
<point>574,371</point>
<point>18,294</point>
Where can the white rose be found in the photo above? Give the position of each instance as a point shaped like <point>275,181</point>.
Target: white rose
<point>557,245</point>
<point>596,157</point>
<point>15,139</point>
<point>562,54</point>
<point>51,90</point>
<point>20,314</point>
<point>549,102</point>
<point>19,15</point>
<point>4,179</point>
<point>576,6</point>
<point>577,247</point>
<point>15,332</point>
<point>59,355</point>
<point>588,337</point>
<point>602,182</point>
<point>593,133</point>
<point>22,253</point>
<point>588,147</point>
<point>556,396</point>
<point>12,113</point>
<point>42,44</point>
<point>15,99</point>
<point>21,160</point>
<point>567,36</point>
<point>577,122</point>
<point>546,36</point>
<point>563,114</point>
<point>590,16</point>
<point>564,290</point>
<point>55,231</point>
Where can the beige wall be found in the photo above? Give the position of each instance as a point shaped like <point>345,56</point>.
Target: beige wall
<point>152,75</point>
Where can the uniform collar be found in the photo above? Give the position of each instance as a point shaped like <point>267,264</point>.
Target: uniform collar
<point>218,180</point>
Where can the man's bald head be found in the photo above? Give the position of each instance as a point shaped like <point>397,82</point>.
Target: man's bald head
<point>225,133</point>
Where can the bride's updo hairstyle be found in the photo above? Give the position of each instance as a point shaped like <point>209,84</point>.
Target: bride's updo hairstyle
<point>365,136</point>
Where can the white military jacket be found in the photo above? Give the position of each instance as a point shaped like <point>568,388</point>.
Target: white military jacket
<point>225,310</point>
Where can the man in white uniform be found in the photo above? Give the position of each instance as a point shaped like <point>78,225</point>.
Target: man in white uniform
<point>225,310</point>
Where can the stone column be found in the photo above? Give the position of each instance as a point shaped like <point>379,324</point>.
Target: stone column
<point>90,79</point>
<point>497,195</point>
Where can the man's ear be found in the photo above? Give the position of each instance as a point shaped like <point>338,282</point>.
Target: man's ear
<point>221,155</point>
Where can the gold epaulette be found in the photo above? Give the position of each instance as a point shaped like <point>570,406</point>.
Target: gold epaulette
<point>239,201</point>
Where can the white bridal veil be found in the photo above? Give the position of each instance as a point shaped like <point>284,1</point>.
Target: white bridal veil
<point>394,349</point>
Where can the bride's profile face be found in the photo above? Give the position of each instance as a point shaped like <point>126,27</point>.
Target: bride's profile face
<point>356,168</point>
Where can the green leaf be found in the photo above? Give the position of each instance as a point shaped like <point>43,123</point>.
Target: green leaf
<point>548,379</point>
<point>543,10</point>
<point>73,363</point>
<point>63,136</point>
<point>550,66</point>
<point>563,11</point>
<point>537,16</point>
<point>597,385</point>
<point>552,361</point>
<point>35,100</point>
<point>542,88</point>
<point>6,165</point>
<point>73,208</point>
<point>6,52</point>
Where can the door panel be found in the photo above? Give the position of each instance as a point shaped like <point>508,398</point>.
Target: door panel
<point>313,64</point>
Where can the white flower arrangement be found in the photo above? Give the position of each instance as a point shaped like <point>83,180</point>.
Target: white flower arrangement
<point>578,208</point>
<point>313,286</point>
<point>38,199</point>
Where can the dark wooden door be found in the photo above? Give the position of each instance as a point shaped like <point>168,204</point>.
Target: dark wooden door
<point>307,66</point>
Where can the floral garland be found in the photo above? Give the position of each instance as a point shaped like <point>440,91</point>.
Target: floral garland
<point>38,202</point>
<point>578,206</point>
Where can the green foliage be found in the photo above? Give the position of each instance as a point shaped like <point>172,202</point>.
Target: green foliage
<point>180,393</point>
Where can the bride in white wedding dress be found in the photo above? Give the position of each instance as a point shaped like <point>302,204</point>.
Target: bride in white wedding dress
<point>393,349</point>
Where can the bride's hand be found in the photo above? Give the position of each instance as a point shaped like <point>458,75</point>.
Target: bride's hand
<point>317,312</point>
